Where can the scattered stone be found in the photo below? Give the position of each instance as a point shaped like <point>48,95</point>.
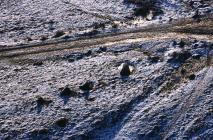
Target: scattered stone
<point>43,38</point>
<point>154,59</point>
<point>59,34</point>
<point>29,39</point>
<point>170,19</point>
<point>62,122</point>
<point>102,83</point>
<point>17,69</point>
<point>103,49</point>
<point>192,77</point>
<point>51,22</point>
<point>99,25</point>
<point>114,25</point>
<point>89,85</point>
<point>181,43</point>
<point>38,63</point>
<point>88,53</point>
<point>66,37</point>
<point>91,99</point>
<point>147,53</point>
<point>91,33</point>
<point>68,92</point>
<point>42,101</point>
<point>125,69</point>
<point>78,57</point>
<point>75,56</point>
<point>174,43</point>
<point>71,60</point>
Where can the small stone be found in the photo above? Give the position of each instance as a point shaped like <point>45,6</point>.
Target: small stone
<point>38,63</point>
<point>154,59</point>
<point>51,22</point>
<point>88,53</point>
<point>91,99</point>
<point>59,34</point>
<point>181,44</point>
<point>71,60</point>
<point>102,83</point>
<point>74,56</point>
<point>99,25</point>
<point>103,49</point>
<point>114,25</point>
<point>62,122</point>
<point>78,57</point>
<point>174,43</point>
<point>66,37</point>
<point>29,39</point>
<point>42,101</point>
<point>89,85</point>
<point>192,77</point>
<point>43,38</point>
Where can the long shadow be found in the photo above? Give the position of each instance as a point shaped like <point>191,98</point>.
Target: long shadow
<point>39,108</point>
<point>65,99</point>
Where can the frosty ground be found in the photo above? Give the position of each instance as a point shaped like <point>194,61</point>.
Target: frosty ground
<point>69,85</point>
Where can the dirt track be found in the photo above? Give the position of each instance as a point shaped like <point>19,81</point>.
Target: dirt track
<point>178,30</point>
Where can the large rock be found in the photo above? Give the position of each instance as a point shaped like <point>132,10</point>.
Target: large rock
<point>125,69</point>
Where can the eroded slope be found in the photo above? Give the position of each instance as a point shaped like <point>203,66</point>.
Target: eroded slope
<point>169,95</point>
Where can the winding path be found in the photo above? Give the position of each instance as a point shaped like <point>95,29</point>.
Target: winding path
<point>178,30</point>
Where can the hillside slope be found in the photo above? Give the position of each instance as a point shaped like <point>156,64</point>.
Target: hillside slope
<point>92,70</point>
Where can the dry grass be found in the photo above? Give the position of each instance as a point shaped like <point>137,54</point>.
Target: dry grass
<point>182,74</point>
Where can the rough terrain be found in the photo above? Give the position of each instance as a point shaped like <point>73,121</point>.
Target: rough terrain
<point>76,88</point>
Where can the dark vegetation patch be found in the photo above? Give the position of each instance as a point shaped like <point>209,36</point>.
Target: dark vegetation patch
<point>180,56</point>
<point>186,71</point>
<point>144,7</point>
